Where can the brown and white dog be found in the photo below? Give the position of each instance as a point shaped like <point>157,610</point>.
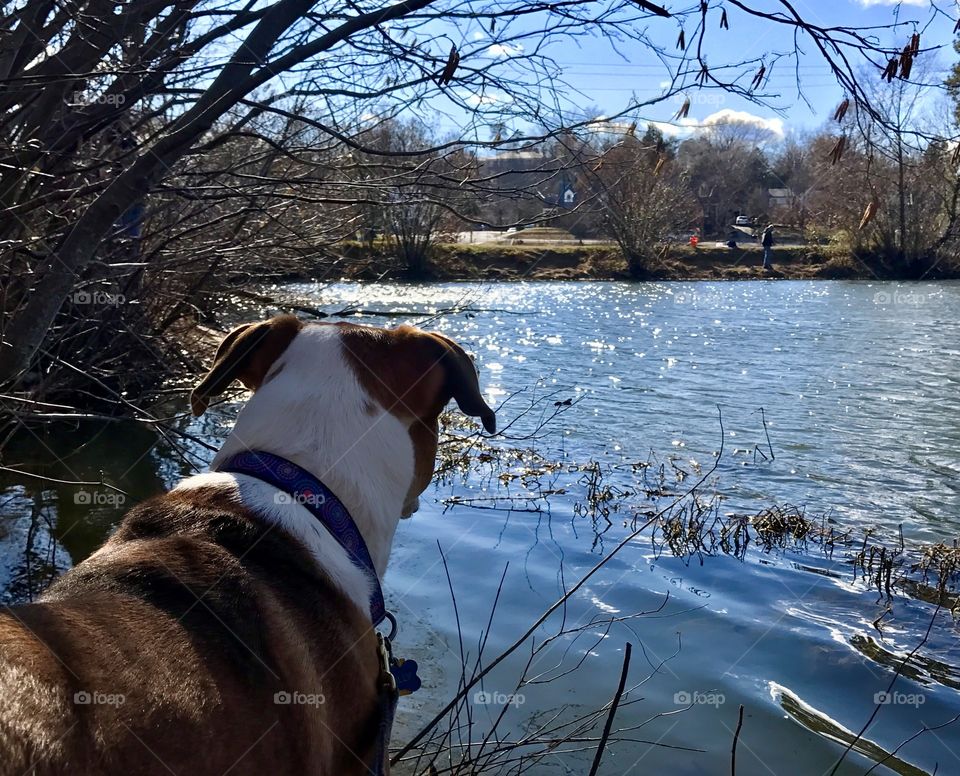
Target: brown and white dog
<point>165,651</point>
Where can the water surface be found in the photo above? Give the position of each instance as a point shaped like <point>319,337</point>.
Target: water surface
<point>858,385</point>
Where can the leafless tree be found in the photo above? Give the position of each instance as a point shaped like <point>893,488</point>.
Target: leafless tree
<point>644,196</point>
<point>885,185</point>
<point>727,166</point>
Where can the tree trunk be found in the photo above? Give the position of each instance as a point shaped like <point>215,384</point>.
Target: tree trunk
<point>901,192</point>
<point>246,70</point>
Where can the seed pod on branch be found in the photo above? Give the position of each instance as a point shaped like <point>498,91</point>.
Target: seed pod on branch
<point>841,110</point>
<point>891,70</point>
<point>724,24</point>
<point>915,43</point>
<point>704,74</point>
<point>681,41</point>
<point>837,151</point>
<point>869,213</point>
<point>493,25</point>
<point>906,61</point>
<point>758,78</point>
<point>684,110</point>
<point>451,67</point>
<point>956,27</point>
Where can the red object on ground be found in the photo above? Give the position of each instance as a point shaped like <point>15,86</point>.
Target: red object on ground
<point>694,240</point>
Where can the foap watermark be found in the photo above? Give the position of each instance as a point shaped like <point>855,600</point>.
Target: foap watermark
<point>697,698</point>
<point>98,298</point>
<point>96,698</point>
<point>900,297</point>
<point>295,698</point>
<point>484,698</point>
<point>99,498</point>
<point>884,698</point>
<point>706,97</point>
<point>79,98</point>
<point>306,499</point>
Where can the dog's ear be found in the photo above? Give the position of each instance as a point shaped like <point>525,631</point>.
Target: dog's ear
<point>415,373</point>
<point>246,354</point>
<point>462,384</point>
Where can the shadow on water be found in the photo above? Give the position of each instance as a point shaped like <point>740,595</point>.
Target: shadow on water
<point>48,522</point>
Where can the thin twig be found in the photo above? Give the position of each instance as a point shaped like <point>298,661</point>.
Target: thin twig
<point>763,419</point>
<point>83,483</point>
<point>613,710</point>
<point>736,738</point>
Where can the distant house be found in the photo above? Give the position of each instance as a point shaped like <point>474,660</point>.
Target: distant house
<point>781,198</point>
<point>512,171</point>
<point>513,163</point>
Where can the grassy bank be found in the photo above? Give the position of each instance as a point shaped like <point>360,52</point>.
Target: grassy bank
<point>498,261</point>
<point>607,262</point>
<point>677,262</point>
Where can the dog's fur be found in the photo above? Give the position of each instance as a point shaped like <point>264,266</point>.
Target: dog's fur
<point>210,600</point>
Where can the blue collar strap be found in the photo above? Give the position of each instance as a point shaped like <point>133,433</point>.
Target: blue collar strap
<point>303,488</point>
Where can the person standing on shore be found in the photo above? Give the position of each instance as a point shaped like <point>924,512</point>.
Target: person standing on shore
<point>767,242</point>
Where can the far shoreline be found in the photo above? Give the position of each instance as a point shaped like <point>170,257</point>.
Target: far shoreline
<point>552,262</point>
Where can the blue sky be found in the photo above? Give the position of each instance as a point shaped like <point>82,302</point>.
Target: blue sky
<point>601,77</point>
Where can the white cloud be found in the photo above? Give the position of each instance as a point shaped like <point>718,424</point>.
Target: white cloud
<point>504,50</point>
<point>689,126</point>
<point>729,116</point>
<point>611,127</point>
<point>487,99</point>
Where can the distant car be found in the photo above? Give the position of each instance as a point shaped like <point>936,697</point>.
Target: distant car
<point>743,221</point>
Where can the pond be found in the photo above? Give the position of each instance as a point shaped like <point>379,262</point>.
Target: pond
<point>835,401</point>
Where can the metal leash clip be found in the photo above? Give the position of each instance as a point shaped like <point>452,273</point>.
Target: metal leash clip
<point>383,652</point>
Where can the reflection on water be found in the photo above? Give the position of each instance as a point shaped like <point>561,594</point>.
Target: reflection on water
<point>858,390</point>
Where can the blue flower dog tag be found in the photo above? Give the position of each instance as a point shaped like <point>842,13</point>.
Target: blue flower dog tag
<point>405,674</point>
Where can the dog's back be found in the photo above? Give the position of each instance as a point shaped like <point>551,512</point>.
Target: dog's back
<point>194,618</point>
<point>205,639</point>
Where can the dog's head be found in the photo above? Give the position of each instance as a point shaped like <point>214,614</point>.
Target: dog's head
<point>408,373</point>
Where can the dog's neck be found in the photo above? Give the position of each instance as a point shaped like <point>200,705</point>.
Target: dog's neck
<point>325,421</point>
